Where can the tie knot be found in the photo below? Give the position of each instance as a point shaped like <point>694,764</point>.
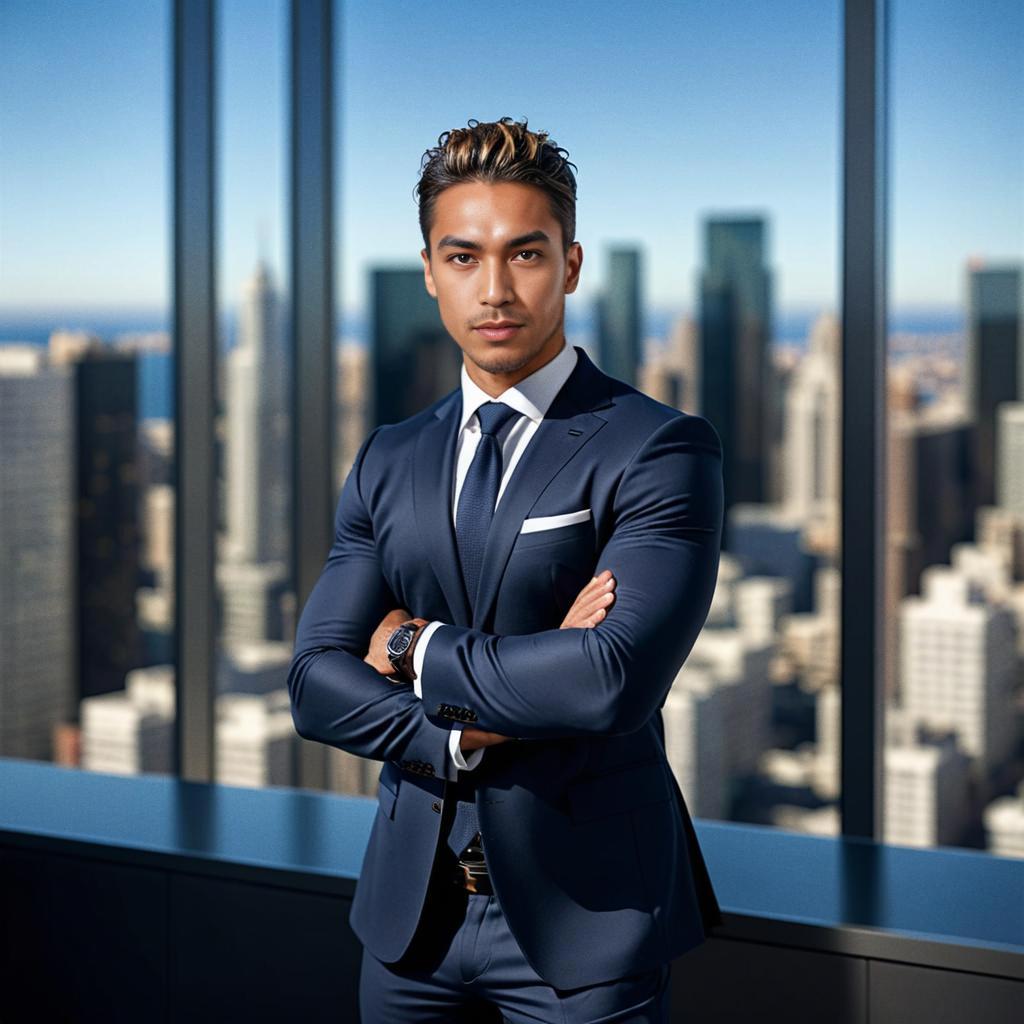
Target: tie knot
<point>494,415</point>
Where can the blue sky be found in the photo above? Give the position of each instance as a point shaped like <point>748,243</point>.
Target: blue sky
<point>695,107</point>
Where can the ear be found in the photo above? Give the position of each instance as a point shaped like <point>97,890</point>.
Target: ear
<point>428,277</point>
<point>573,265</point>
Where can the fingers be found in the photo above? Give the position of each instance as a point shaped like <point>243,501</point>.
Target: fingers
<point>597,594</point>
<point>593,602</point>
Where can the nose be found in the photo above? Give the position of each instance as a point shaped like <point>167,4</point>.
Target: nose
<point>496,284</point>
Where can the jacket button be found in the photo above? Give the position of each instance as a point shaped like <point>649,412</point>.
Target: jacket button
<point>436,806</point>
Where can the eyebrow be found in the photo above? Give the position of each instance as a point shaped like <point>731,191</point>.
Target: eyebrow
<point>463,243</point>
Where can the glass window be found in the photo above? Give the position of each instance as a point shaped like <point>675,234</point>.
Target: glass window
<point>86,368</point>
<point>706,141</point>
<point>254,736</point>
<point>955,557</point>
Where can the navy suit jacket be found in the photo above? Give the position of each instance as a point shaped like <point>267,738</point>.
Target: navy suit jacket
<point>592,853</point>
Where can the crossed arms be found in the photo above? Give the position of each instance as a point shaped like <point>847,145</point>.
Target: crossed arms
<point>663,552</point>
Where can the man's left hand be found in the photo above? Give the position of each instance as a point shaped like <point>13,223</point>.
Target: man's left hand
<point>377,655</point>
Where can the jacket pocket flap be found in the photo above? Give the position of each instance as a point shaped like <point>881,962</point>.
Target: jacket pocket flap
<point>618,791</point>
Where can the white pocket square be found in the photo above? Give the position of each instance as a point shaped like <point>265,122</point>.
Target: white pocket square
<point>553,522</point>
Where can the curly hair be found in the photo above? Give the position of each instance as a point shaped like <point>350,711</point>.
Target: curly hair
<point>493,151</point>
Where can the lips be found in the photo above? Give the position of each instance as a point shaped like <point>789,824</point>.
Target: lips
<point>498,331</point>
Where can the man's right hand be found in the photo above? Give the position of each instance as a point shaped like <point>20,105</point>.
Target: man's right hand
<point>589,609</point>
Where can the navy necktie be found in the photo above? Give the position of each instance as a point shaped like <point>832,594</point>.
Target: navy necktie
<point>477,499</point>
<point>480,494</point>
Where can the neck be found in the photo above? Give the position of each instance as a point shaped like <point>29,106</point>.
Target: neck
<point>493,384</point>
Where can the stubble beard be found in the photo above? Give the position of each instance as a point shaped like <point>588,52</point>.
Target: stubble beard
<point>502,362</point>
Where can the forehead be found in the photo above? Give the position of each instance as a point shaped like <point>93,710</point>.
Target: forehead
<point>489,213</point>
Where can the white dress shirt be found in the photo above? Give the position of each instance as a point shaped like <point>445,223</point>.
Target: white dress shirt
<point>532,397</point>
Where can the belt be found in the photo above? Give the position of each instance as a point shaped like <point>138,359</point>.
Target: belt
<point>471,871</point>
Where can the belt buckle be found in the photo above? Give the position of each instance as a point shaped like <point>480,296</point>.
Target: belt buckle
<point>472,869</point>
<point>468,880</point>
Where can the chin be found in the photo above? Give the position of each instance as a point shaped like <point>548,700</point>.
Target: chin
<point>495,357</point>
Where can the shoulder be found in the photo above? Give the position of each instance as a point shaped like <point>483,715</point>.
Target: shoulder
<point>389,439</point>
<point>645,420</point>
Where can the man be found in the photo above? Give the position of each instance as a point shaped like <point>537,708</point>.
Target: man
<point>517,574</point>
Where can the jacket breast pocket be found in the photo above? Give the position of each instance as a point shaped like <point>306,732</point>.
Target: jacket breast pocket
<point>618,791</point>
<point>567,528</point>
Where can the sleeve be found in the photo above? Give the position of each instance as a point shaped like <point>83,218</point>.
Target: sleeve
<point>336,697</point>
<point>454,749</point>
<point>663,551</point>
<point>418,654</point>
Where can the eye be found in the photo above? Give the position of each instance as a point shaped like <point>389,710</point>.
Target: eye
<point>534,252</point>
<point>458,255</point>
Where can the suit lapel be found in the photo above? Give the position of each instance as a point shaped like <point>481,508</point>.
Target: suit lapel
<point>433,467</point>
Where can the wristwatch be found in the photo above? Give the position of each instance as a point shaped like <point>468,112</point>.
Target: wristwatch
<point>399,649</point>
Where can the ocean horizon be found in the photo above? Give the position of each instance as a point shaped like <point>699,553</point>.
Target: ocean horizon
<point>155,395</point>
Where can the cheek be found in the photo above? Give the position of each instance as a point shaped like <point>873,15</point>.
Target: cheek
<point>546,294</point>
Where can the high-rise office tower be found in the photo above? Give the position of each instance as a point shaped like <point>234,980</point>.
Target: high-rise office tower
<point>735,333</point>
<point>994,370</point>
<point>725,677</point>
<point>958,664</point>
<point>811,466</point>
<point>37,556</point>
<point>620,316</point>
<point>934,452</point>
<point>106,432</point>
<point>131,731</point>
<point>1001,532</point>
<point>257,463</point>
<point>927,785</point>
<point>255,739</point>
<point>670,372</point>
<point>1010,458</point>
<point>416,361</point>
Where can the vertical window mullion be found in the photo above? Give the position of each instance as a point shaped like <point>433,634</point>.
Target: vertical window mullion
<point>195,356</point>
<point>311,247</point>
<point>862,625</point>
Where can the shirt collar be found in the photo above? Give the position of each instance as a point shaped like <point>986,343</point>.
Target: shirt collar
<point>532,396</point>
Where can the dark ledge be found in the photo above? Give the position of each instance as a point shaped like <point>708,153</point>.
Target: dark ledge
<point>951,909</point>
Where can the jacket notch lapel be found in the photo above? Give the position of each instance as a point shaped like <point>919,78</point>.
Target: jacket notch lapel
<point>432,472</point>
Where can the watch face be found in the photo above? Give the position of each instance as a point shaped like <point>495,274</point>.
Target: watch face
<point>399,644</point>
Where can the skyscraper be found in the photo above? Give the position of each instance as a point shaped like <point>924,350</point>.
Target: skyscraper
<point>811,466</point>
<point>994,361</point>
<point>415,359</point>
<point>620,316</point>
<point>1010,453</point>
<point>37,557</point>
<point>106,432</point>
<point>257,430</point>
<point>735,332</point>
<point>958,663</point>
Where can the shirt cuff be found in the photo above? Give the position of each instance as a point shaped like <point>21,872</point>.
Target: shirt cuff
<point>460,761</point>
<point>419,653</point>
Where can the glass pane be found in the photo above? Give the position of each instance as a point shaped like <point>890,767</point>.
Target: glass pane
<point>955,605</point>
<point>708,211</point>
<point>86,430</point>
<point>255,737</point>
